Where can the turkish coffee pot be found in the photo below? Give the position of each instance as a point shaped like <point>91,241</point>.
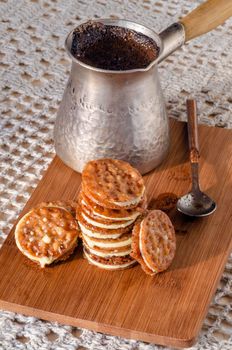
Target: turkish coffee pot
<point>121,113</point>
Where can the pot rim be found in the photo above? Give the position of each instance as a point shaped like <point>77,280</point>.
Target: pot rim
<point>120,23</point>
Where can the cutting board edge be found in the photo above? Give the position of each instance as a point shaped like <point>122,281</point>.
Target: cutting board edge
<point>100,327</point>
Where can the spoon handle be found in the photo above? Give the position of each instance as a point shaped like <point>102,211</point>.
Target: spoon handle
<point>192,125</point>
<point>193,142</point>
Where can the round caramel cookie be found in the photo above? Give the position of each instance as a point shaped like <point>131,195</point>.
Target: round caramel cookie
<point>135,252</point>
<point>109,243</point>
<point>107,252</point>
<point>47,234</point>
<point>96,210</point>
<point>112,183</point>
<point>157,241</point>
<point>111,263</point>
<point>98,232</point>
<point>104,223</point>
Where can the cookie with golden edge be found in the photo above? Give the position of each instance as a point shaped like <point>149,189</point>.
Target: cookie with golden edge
<point>157,241</point>
<point>154,242</point>
<point>103,223</point>
<point>135,251</point>
<point>110,263</point>
<point>112,183</point>
<point>47,233</point>
<point>109,243</point>
<point>96,210</point>
<point>98,232</point>
<point>107,252</point>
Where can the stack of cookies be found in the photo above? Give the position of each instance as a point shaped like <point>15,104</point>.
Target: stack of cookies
<point>116,229</point>
<point>112,198</point>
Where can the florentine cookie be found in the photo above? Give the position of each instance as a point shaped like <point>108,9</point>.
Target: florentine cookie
<point>135,252</point>
<point>107,252</point>
<point>112,263</point>
<point>110,243</point>
<point>112,183</point>
<point>98,232</point>
<point>104,223</point>
<point>112,214</point>
<point>154,242</point>
<point>47,234</point>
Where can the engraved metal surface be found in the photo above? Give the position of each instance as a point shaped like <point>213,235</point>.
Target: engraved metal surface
<point>110,115</point>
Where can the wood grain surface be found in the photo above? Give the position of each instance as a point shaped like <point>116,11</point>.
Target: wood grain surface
<point>206,17</point>
<point>166,309</point>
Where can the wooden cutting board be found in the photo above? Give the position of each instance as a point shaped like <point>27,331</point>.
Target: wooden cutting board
<point>167,309</point>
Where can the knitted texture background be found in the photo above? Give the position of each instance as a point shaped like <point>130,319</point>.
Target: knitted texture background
<point>34,68</point>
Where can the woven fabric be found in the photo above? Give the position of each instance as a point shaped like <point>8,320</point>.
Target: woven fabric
<point>34,69</point>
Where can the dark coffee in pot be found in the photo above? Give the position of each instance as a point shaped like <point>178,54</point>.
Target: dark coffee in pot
<point>112,47</point>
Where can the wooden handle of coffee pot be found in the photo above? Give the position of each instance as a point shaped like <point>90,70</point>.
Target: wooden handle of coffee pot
<point>206,17</point>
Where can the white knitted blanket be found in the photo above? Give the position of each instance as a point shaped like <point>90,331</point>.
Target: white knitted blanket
<point>34,69</point>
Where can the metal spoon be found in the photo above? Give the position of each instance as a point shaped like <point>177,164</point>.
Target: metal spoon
<point>195,203</point>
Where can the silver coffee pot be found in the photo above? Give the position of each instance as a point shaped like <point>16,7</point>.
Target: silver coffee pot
<point>122,114</point>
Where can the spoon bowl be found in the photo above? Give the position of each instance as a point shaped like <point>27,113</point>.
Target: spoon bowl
<point>196,204</point>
